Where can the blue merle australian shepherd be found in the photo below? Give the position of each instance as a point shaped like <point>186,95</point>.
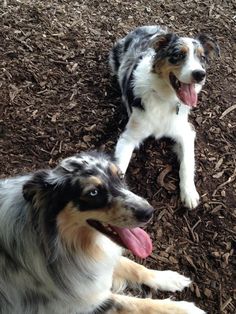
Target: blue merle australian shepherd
<point>61,237</point>
<point>160,75</point>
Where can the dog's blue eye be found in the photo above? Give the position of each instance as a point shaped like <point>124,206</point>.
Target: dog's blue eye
<point>93,193</point>
<point>121,175</point>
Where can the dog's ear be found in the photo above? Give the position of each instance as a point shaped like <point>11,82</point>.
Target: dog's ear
<point>38,182</point>
<point>163,41</point>
<point>210,46</point>
<point>71,164</point>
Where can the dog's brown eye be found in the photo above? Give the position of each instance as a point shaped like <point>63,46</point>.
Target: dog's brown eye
<point>181,55</point>
<point>93,193</point>
<point>177,57</point>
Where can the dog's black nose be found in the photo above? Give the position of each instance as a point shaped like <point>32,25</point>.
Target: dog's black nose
<point>144,214</point>
<point>198,75</point>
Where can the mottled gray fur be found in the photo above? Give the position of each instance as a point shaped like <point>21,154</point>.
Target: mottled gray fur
<point>37,274</point>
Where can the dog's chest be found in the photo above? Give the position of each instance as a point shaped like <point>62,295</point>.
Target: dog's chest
<point>163,119</point>
<point>97,278</point>
<point>91,282</point>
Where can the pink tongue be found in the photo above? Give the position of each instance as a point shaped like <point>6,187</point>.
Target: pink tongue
<point>187,94</point>
<point>136,240</point>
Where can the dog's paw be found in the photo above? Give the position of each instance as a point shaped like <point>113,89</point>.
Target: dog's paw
<point>190,197</point>
<point>178,307</point>
<point>189,308</point>
<point>168,280</point>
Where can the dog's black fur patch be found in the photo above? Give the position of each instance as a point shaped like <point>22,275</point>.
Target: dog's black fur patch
<point>116,52</point>
<point>127,89</point>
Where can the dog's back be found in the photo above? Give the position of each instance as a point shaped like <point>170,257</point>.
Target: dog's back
<point>20,260</point>
<point>126,55</point>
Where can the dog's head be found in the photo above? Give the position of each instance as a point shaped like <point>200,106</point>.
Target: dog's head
<point>88,191</point>
<point>181,62</point>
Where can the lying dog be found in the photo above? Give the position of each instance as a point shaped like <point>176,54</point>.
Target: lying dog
<point>160,75</point>
<point>61,233</point>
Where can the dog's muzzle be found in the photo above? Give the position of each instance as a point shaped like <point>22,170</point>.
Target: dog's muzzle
<point>142,212</point>
<point>198,75</point>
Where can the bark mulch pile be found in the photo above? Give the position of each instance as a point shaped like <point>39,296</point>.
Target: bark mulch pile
<point>57,98</point>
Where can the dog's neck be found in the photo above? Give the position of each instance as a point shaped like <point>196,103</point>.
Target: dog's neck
<point>176,106</point>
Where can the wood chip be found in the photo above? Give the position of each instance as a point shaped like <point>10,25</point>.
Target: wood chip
<point>228,110</point>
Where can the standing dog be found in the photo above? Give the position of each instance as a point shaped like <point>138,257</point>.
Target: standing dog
<point>61,233</point>
<point>160,75</point>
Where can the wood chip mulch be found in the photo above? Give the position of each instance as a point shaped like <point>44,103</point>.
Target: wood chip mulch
<point>57,98</point>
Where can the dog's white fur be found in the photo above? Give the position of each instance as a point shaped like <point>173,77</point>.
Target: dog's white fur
<point>159,100</point>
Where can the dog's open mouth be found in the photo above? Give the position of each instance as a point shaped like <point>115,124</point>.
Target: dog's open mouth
<point>185,92</point>
<point>136,240</point>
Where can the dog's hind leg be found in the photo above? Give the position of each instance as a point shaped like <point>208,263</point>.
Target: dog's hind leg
<point>130,139</point>
<point>125,304</point>
<point>128,271</point>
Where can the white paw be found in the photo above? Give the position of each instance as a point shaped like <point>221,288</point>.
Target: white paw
<point>189,307</point>
<point>168,280</point>
<point>190,197</point>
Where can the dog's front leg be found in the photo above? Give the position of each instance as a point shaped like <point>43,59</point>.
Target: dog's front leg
<point>128,271</point>
<point>124,149</point>
<point>130,139</point>
<point>125,305</point>
<point>185,151</point>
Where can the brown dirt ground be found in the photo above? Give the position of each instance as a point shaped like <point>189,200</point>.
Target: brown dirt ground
<point>57,98</point>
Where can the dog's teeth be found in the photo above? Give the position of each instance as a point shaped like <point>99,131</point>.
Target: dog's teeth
<point>109,229</point>
<point>178,84</point>
<point>114,233</point>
